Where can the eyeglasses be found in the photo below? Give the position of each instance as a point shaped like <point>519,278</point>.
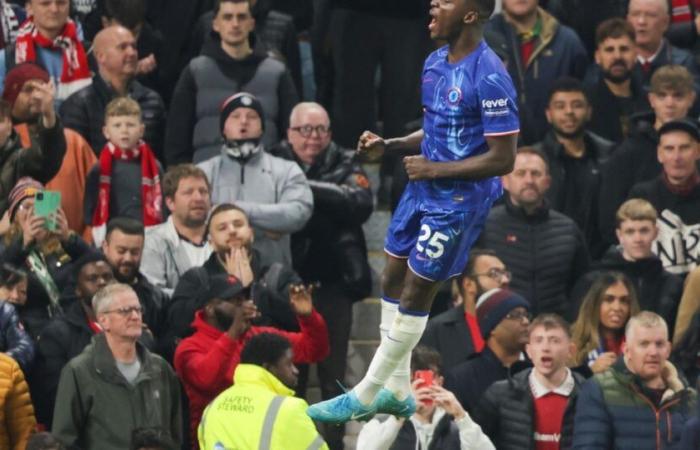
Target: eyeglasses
<point>307,130</point>
<point>126,312</point>
<point>519,315</point>
<point>495,274</point>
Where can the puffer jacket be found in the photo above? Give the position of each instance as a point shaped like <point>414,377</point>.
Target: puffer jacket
<point>545,252</point>
<point>614,412</point>
<point>14,340</point>
<point>16,410</point>
<point>558,52</point>
<point>506,413</point>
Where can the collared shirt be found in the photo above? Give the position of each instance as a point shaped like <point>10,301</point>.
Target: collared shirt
<point>538,390</point>
<point>646,62</point>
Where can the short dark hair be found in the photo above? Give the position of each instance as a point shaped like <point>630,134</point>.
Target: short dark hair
<point>44,441</point>
<point>425,358</point>
<point>468,271</point>
<point>221,208</point>
<point>549,322</point>
<point>527,150</point>
<point>217,5</point>
<point>171,179</point>
<point>11,275</point>
<point>566,84</point>
<point>128,13</point>
<point>154,438</point>
<point>265,348</point>
<point>614,28</point>
<point>485,9</point>
<point>126,225</point>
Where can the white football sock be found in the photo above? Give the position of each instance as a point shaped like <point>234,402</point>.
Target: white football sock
<point>404,334</point>
<point>390,307</point>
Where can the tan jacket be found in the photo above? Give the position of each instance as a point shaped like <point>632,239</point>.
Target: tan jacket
<point>17,420</point>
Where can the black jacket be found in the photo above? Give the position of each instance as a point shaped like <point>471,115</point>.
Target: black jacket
<point>577,200</point>
<point>331,247</point>
<point>545,252</point>
<point>41,162</point>
<point>449,334</point>
<point>506,413</point>
<point>154,301</point>
<point>470,379</point>
<point>14,340</point>
<point>657,290</point>
<point>84,112</point>
<point>633,161</point>
<point>269,291</point>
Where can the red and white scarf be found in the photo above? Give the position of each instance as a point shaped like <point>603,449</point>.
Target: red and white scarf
<point>151,195</point>
<point>75,73</point>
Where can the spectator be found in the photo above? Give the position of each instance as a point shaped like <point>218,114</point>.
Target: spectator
<point>17,420</point>
<point>12,17</point>
<point>13,285</point>
<point>40,162</point>
<point>230,237</point>
<point>671,96</point>
<point>274,32</point>
<point>600,326</point>
<point>115,52</point>
<point>265,381</point>
<point>44,441</point>
<point>640,402</point>
<point>126,180</point>
<point>656,289</point>
<point>67,335</point>
<point>484,271</point>
<point>174,247</point>
<point>32,99</point>
<point>503,320</point>
<point>226,66</point>
<point>342,203</point>
<point>543,248</point>
<point>116,382</point>
<point>685,353</point>
<point>207,360</point>
<point>651,19</point>
<point>689,304</point>
<point>273,192</point>
<point>47,255</point>
<point>52,40</point>
<point>676,195</point>
<point>123,247</point>
<point>539,50</point>
<point>150,439</point>
<point>536,407</point>
<point>615,90</point>
<point>14,340</point>
<point>439,420</point>
<point>575,156</point>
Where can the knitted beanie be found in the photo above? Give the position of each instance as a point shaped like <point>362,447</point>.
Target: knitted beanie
<point>493,306</point>
<point>24,188</point>
<point>240,100</point>
<point>18,76</point>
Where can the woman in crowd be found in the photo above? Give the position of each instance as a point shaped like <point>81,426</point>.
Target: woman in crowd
<point>599,331</point>
<point>44,254</point>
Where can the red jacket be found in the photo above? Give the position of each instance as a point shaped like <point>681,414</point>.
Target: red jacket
<point>205,361</point>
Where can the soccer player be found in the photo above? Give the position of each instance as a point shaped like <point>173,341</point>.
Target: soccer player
<point>468,139</point>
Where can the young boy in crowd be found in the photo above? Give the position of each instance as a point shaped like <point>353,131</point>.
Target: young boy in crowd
<point>126,180</point>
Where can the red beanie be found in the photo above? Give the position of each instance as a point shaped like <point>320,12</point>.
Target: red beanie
<point>20,74</point>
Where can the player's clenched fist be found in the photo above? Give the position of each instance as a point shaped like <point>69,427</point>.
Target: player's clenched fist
<point>418,168</point>
<point>371,146</point>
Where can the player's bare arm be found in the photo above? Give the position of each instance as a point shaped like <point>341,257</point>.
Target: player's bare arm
<point>373,146</point>
<point>497,161</point>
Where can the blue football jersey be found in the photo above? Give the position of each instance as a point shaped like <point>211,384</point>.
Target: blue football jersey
<point>463,103</point>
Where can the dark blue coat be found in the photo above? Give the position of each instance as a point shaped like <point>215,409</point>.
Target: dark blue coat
<point>14,341</point>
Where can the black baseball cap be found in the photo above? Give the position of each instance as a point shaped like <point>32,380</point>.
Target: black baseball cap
<point>225,287</point>
<point>687,125</point>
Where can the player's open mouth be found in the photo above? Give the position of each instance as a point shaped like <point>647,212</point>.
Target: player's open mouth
<point>433,24</point>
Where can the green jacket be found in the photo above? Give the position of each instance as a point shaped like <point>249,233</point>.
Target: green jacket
<point>266,414</point>
<point>97,409</point>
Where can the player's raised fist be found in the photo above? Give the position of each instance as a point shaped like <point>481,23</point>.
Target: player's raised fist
<point>370,146</point>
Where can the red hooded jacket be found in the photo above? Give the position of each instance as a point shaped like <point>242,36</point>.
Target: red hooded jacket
<point>205,361</point>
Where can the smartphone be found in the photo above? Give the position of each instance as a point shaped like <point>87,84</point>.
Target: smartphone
<point>427,380</point>
<point>46,204</point>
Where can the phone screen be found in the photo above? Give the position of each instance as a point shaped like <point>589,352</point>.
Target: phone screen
<point>46,204</point>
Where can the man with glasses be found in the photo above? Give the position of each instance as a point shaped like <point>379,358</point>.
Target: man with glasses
<point>455,334</point>
<point>116,384</point>
<point>504,317</point>
<point>330,249</point>
<point>273,192</point>
<point>544,249</point>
